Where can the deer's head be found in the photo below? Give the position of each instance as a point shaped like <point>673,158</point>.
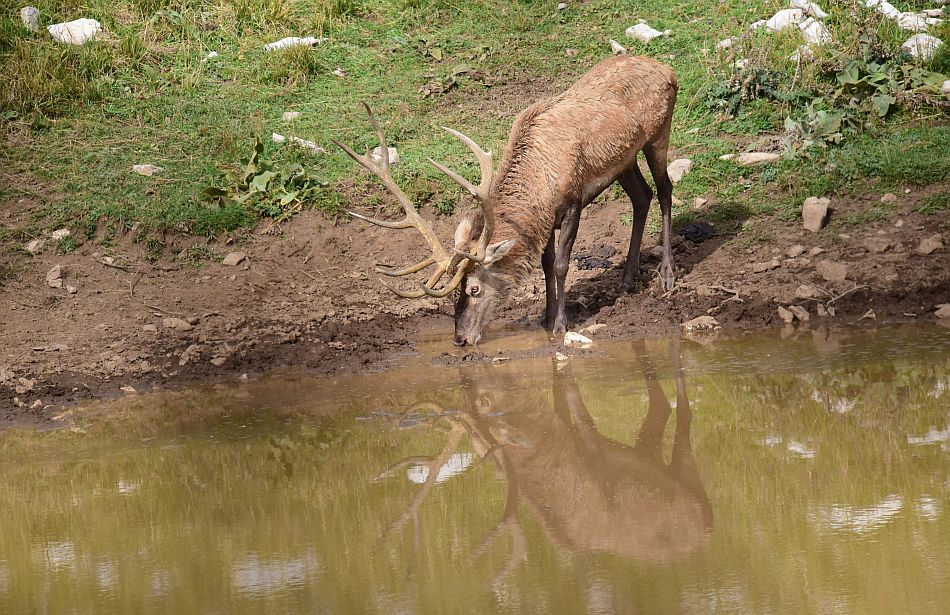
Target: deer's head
<point>482,287</point>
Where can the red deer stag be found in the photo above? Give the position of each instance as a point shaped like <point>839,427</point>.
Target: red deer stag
<point>561,154</point>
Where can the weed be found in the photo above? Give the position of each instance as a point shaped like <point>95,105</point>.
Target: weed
<point>936,203</point>
<point>154,248</point>
<point>67,244</point>
<point>196,254</point>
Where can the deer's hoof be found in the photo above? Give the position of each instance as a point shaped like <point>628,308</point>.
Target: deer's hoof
<point>626,287</point>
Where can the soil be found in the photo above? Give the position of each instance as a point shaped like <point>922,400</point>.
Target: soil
<point>306,298</point>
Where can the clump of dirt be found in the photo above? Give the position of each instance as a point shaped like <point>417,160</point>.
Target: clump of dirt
<point>307,299</point>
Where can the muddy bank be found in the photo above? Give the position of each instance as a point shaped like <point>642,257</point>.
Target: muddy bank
<point>306,299</point>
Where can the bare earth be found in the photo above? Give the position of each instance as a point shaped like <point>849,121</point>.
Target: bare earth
<point>307,299</point>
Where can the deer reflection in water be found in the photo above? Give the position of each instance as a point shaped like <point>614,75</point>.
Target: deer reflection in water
<point>590,492</point>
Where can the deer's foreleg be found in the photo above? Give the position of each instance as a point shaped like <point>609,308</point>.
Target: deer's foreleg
<point>550,287</point>
<point>562,260</point>
<point>640,196</point>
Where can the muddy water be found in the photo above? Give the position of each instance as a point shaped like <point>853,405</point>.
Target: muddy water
<point>754,475</point>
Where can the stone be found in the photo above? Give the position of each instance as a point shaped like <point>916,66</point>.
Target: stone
<point>799,312</point>
<point>700,323</point>
<point>211,55</point>
<point>945,88</point>
<point>931,244</point>
<point>192,320</point>
<point>72,290</point>
<point>814,32</point>
<point>560,357</point>
<point>561,6</point>
<point>877,244</point>
<point>809,8</point>
<point>795,251</point>
<point>822,310</point>
<point>679,168</point>
<point>752,158</point>
<point>188,355</point>
<point>832,271</point>
<point>150,328</point>
<point>807,291</point>
<point>785,18</point>
<point>30,16</point>
<point>725,43</point>
<point>572,338</point>
<point>147,170</point>
<point>218,361</point>
<point>815,213</point>
<point>786,315</point>
<point>593,329</point>
<point>290,116</point>
<point>36,405</point>
<point>293,41</point>
<point>616,47</point>
<point>54,277</point>
<point>128,390</point>
<point>60,234</point>
<point>339,72</point>
<point>643,32</point>
<point>176,324</point>
<point>943,310</point>
<point>815,251</point>
<point>34,247</point>
<point>766,266</point>
<point>699,202</point>
<point>922,46</point>
<point>75,32</point>
<point>24,385</point>
<point>234,259</point>
<point>377,155</point>
<point>727,157</point>
<point>889,197</point>
<point>869,315</point>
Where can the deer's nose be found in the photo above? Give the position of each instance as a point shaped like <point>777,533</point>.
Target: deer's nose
<point>459,341</point>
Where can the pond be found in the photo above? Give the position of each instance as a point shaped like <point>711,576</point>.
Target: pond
<point>756,474</point>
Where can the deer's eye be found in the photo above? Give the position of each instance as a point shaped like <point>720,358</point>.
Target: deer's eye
<point>474,290</point>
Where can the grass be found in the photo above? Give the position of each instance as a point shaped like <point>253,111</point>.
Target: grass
<point>75,119</point>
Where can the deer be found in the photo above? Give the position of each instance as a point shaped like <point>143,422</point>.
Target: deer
<point>561,154</point>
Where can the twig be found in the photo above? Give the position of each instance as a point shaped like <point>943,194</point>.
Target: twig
<point>115,266</point>
<point>151,307</point>
<point>847,292</point>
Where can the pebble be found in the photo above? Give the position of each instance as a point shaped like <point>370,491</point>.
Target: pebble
<point>572,338</point>
<point>72,290</point>
<point>54,277</point>
<point>889,197</point>
<point>766,266</point>
<point>799,312</point>
<point>60,234</point>
<point>796,251</point>
<point>36,405</point>
<point>147,170</point>
<point>176,324</point>
<point>192,320</point>
<point>377,155</point>
<point>617,48</point>
<point>150,328</point>
<point>31,18</point>
<point>234,259</point>
<point>128,390</point>
<point>807,291</point>
<point>815,213</point>
<point>878,244</point>
<point>943,310</point>
<point>679,168</point>
<point>593,329</point>
<point>75,32</point>
<point>699,202</point>
<point>786,315</point>
<point>35,247</point>
<point>700,323</point>
<point>832,271</point>
<point>930,244</point>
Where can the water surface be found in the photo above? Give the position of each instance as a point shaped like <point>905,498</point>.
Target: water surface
<point>753,475</point>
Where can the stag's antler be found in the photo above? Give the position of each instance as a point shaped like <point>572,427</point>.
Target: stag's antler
<point>482,192</point>
<point>440,258</point>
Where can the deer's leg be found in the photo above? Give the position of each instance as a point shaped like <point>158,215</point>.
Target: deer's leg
<point>562,260</point>
<point>550,287</point>
<point>650,439</point>
<point>640,196</point>
<point>656,157</point>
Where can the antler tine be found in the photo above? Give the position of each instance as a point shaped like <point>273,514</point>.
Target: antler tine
<point>482,192</point>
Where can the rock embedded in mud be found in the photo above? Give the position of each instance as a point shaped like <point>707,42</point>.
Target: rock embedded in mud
<point>832,271</point>
<point>150,328</point>
<point>752,158</point>
<point>929,245</point>
<point>766,266</point>
<point>795,251</point>
<point>593,329</point>
<point>943,310</point>
<point>800,312</point>
<point>34,247</point>
<point>234,259</point>
<point>572,338</point>
<point>679,169</point>
<point>785,314</point>
<point>176,324</point>
<point>815,213</point>
<point>72,290</point>
<point>878,244</point>
<point>24,385</point>
<point>700,323</point>
<point>889,197</point>
<point>54,277</point>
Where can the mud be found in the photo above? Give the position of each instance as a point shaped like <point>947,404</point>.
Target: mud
<point>306,299</point>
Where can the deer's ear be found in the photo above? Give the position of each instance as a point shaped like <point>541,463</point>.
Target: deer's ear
<point>498,250</point>
<point>463,234</point>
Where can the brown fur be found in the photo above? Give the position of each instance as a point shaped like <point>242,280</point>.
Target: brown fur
<point>568,148</point>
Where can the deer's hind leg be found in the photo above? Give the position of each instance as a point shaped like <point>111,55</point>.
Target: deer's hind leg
<point>655,154</point>
<point>638,190</point>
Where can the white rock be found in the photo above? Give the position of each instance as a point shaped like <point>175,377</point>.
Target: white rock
<point>945,88</point>
<point>146,169</point>
<point>377,155</point>
<point>751,158</point>
<point>128,390</point>
<point>883,7</point>
<point>560,357</point>
<point>31,18</point>
<point>308,145</point>
<point>814,32</point>
<point>211,55</point>
<point>755,25</point>
<point>644,32</point>
<point>561,6</point>
<point>912,22</point>
<point>700,323</point>
<point>727,157</point>
<point>72,290</point>
<point>815,213</point>
<point>290,116</point>
<point>679,168</point>
<point>933,12</point>
<point>293,41</point>
<point>277,138</point>
<point>572,338</point>
<point>339,72</point>
<point>785,18</point>
<point>616,47</point>
<point>593,329</point>
<point>54,277</point>
<point>60,234</point>
<point>234,259</point>
<point>922,46</point>
<point>725,43</point>
<point>808,7</point>
<point>942,310</point>
<point>741,63</point>
<point>35,247</point>
<point>75,32</point>
<point>36,405</point>
<point>176,324</point>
